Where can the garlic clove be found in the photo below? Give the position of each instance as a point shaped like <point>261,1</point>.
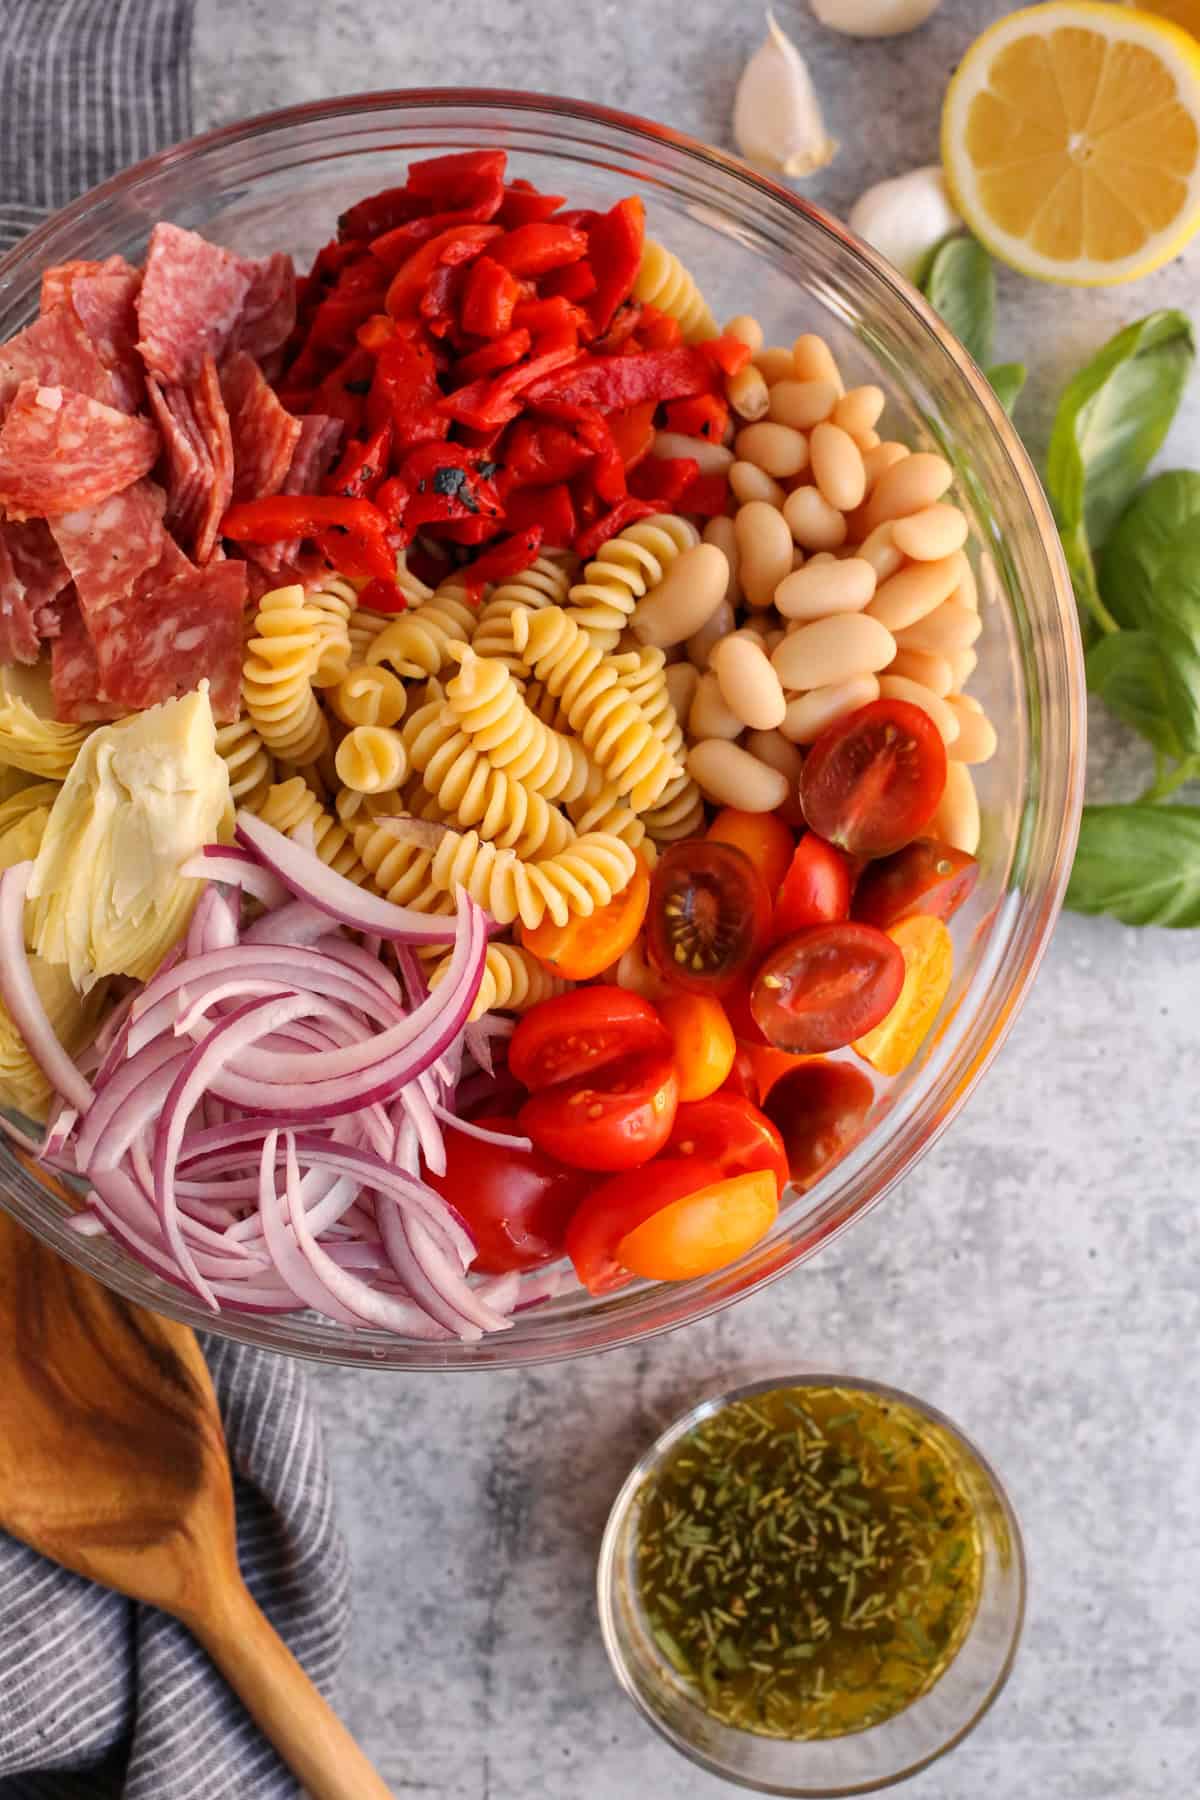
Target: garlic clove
<point>906,217</point>
<point>777,121</point>
<point>874,18</point>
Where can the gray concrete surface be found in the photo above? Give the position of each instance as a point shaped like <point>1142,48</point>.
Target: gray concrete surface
<point>1037,1277</point>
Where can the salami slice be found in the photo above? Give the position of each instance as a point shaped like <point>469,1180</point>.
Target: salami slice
<point>60,451</point>
<point>105,304</point>
<point>18,632</point>
<point>186,458</point>
<point>110,546</point>
<point>314,454</point>
<point>212,419</point>
<point>75,673</point>
<point>162,641</point>
<point>38,563</point>
<point>265,434</point>
<point>269,309</point>
<point>58,281</point>
<point>55,351</point>
<point>191,299</point>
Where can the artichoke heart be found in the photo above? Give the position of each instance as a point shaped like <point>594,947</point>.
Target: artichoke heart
<point>145,794</point>
<point>74,1016</point>
<point>23,820</point>
<point>30,738</point>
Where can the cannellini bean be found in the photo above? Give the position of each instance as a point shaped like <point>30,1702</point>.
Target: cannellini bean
<point>837,466</point>
<point>813,523</point>
<point>682,679</point>
<point>730,776</point>
<point>748,682</point>
<point>936,531</point>
<point>772,638</point>
<point>699,645</point>
<point>813,360</point>
<point>748,482</point>
<point>866,440</point>
<point>956,821</point>
<point>747,330</point>
<point>797,557</point>
<point>747,392</point>
<point>712,459</point>
<point>908,486</point>
<point>897,687</point>
<point>720,531</point>
<point>976,740</point>
<point>951,627</point>
<point>802,404</point>
<point>775,363</point>
<point>765,549</point>
<point>708,715</point>
<point>880,551</point>
<point>821,588</point>
<point>776,449</point>
<point>914,592</point>
<point>689,593</point>
<point>780,753</point>
<point>810,714</point>
<point>963,664</point>
<point>752,635</point>
<point>933,672</point>
<point>859,410</point>
<point>834,650</point>
<point>967,592</point>
<point>880,458</point>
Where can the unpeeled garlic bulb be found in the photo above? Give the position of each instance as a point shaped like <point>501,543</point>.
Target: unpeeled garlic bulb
<point>874,18</point>
<point>905,217</point>
<point>777,121</point>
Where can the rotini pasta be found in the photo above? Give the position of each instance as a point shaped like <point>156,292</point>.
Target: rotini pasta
<point>277,677</point>
<point>487,704</point>
<point>418,642</point>
<point>369,695</point>
<point>334,600</point>
<point>399,869</point>
<point>679,810</point>
<point>545,583</point>
<point>662,281</point>
<point>606,811</point>
<point>545,706</point>
<point>626,567</point>
<point>599,710</point>
<point>587,874</point>
<point>250,765</point>
<point>470,792</point>
<point>365,625</point>
<point>372,759</point>
<point>293,809</point>
<point>513,980</point>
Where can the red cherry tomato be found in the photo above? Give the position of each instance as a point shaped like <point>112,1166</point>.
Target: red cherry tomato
<point>615,1208</point>
<point>709,915</point>
<point>925,877</point>
<point>819,1108</point>
<point>579,1032</point>
<point>816,889</point>
<point>827,986</point>
<point>731,1132</point>
<point>874,779</point>
<point>517,1203</point>
<point>615,1117</point>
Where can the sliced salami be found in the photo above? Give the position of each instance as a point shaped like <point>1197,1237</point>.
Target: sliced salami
<point>55,351</point>
<point>75,673</point>
<point>186,458</point>
<point>106,305</point>
<point>265,434</point>
<point>58,281</point>
<point>38,563</point>
<point>110,546</point>
<point>60,451</point>
<point>165,639</point>
<point>212,419</point>
<point>314,454</point>
<point>191,298</point>
<point>18,631</point>
<point>269,309</point>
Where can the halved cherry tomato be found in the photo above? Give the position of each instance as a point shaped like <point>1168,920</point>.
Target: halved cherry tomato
<point>583,947</point>
<point>874,779</point>
<point>763,837</point>
<point>819,1108</point>
<point>703,1040</point>
<point>815,889</point>
<point>703,1231</point>
<point>731,1132</point>
<point>826,986</point>
<point>928,952</point>
<point>925,877</point>
<point>616,1117</point>
<point>768,1064</point>
<point>517,1203</point>
<point>616,1208</point>
<point>578,1033</point>
<point>708,916</point>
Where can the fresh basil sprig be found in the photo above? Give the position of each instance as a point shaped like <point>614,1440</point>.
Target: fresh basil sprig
<point>959,282</point>
<point>1141,863</point>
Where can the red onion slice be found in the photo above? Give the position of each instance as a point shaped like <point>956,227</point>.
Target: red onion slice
<point>296,922</point>
<point>22,999</point>
<point>501,1139</point>
<point>223,862</point>
<point>291,1264</point>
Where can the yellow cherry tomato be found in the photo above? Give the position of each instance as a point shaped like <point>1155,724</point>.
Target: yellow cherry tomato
<point>704,1042</point>
<point>928,952</point>
<point>764,838</point>
<point>585,946</point>
<point>703,1231</point>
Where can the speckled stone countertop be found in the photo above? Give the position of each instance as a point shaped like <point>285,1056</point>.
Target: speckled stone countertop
<point>1037,1277</point>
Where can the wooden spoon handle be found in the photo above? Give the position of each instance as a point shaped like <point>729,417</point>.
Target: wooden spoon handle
<point>279,1696</point>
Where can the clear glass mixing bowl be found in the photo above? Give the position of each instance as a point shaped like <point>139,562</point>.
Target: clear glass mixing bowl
<point>280,182</point>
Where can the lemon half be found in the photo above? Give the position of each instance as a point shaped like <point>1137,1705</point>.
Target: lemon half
<point>1071,141</point>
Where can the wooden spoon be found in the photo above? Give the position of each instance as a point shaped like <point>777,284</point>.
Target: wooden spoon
<point>113,1463</point>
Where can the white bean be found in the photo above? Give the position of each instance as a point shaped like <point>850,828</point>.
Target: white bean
<point>821,588</point>
<point>810,714</point>
<point>689,593</point>
<point>879,549</point>
<point>936,531</point>
<point>967,592</point>
<point>813,360</point>
<point>720,531</point>
<point>908,487</point>
<point>708,715</point>
<point>914,592</point>
<point>832,651</point>
<point>976,740</point>
<point>730,776</point>
<point>747,330</point>
<point>898,687</point>
<point>775,363</point>
<point>749,483</point>
<point>956,821</point>
<point>776,449</point>
<point>681,679</point>
<point>712,459</point>
<point>879,458</point>
<point>963,664</point>
<point>802,404</point>
<point>951,627</point>
<point>748,682</point>
<point>837,466</point>
<point>699,645</point>
<point>747,393</point>
<point>867,440</point>
<point>779,752</point>
<point>859,410</point>
<point>933,672</point>
<point>765,548</point>
<point>813,523</point>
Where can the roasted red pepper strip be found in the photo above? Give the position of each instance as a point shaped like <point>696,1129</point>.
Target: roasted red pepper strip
<point>488,299</point>
<point>615,241</point>
<point>441,302</point>
<point>614,382</point>
<point>575,281</point>
<point>384,596</point>
<point>550,507</point>
<point>556,314</point>
<point>539,452</point>
<point>608,467</point>
<point>362,467</point>
<point>728,354</point>
<point>633,431</point>
<point>462,178</point>
<point>703,416</point>
<point>532,249</point>
<point>404,390</point>
<point>452,247</point>
<point>664,479</point>
<point>523,205</point>
<point>610,523</point>
<point>708,496</point>
<point>375,332</point>
<point>658,330</point>
<point>505,559</point>
<point>501,353</point>
<point>343,392</point>
<point>393,249</point>
<point>446,484</point>
<point>381,212</point>
<point>351,533</point>
<point>621,333</point>
<point>483,404</point>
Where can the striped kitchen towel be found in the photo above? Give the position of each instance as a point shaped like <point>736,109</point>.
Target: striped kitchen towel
<point>99,1697</point>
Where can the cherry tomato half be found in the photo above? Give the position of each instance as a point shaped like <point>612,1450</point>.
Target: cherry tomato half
<point>928,952</point>
<point>584,947</point>
<point>614,1117</point>
<point>815,890</point>
<point>616,1208</point>
<point>874,779</point>
<point>703,1231</point>
<point>826,986</point>
<point>819,1108</point>
<point>703,1040</point>
<point>730,1131</point>
<point>577,1033</point>
<point>925,877</point>
<point>517,1203</point>
<point>709,915</point>
<point>763,837</point>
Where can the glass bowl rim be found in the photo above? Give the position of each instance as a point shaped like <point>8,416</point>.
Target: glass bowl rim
<point>712,1401</point>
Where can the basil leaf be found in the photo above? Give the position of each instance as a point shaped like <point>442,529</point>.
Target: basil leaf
<point>1125,669</point>
<point>1008,379</point>
<point>1155,546</point>
<point>960,285</point>
<point>1140,863</point>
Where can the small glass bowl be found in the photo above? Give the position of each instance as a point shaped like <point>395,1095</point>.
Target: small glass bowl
<point>860,1762</point>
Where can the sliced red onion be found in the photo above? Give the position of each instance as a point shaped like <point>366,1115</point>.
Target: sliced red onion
<point>222,862</point>
<point>417,1105</point>
<point>500,1292</point>
<point>502,1139</point>
<point>412,974</point>
<point>382,1178</point>
<point>127,1103</point>
<point>22,998</point>
<point>292,1265</point>
<point>294,923</point>
<point>214,923</point>
<point>157,1007</point>
<point>365,963</point>
<point>479,1037</point>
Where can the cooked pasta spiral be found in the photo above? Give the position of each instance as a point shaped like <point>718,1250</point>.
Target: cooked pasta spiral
<point>418,642</point>
<point>293,809</point>
<point>662,281</point>
<point>678,812</point>
<point>372,759</point>
<point>334,600</point>
<point>545,706</point>
<point>369,696</point>
<point>250,765</point>
<point>400,869</point>
<point>485,700</point>
<point>365,625</point>
<point>513,980</point>
<point>277,677</point>
<point>606,811</point>
<point>624,569</point>
<point>598,708</point>
<point>469,791</point>
<point>545,583</point>
<point>587,874</point>
<point>30,737</point>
